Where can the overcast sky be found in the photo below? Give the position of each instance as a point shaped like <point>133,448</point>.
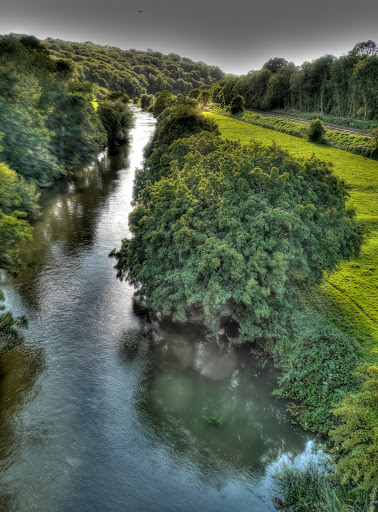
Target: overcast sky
<point>236,35</point>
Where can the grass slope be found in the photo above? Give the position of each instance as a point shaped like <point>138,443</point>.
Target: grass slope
<point>350,296</point>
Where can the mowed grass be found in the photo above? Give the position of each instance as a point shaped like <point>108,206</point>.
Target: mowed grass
<point>350,296</point>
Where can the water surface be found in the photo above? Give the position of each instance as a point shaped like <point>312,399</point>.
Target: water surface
<point>102,411</point>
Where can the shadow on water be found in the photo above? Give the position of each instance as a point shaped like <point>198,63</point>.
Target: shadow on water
<point>209,403</point>
<point>19,372</point>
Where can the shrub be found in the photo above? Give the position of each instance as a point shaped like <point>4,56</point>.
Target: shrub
<point>356,438</point>
<point>237,104</point>
<point>316,131</point>
<point>309,487</point>
<point>317,372</point>
<point>237,232</point>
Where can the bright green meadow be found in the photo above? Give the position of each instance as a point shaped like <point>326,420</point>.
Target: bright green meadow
<point>348,297</point>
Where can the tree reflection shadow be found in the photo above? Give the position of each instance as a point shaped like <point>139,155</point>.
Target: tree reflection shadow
<point>71,212</point>
<point>188,381</point>
<point>19,371</point>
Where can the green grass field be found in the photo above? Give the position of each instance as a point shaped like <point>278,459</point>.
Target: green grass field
<point>350,296</point>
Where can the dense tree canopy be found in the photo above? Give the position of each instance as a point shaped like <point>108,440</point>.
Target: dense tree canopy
<point>237,232</point>
<point>48,121</point>
<point>134,72</point>
<point>181,120</point>
<point>116,117</point>
<point>48,125</point>
<point>346,86</point>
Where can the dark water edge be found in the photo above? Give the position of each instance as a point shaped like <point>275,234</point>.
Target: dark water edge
<point>102,410</point>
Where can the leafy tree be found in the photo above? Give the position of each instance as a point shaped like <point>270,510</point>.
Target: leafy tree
<point>17,200</point>
<point>184,121</point>
<point>275,64</point>
<point>194,93</point>
<point>163,100</point>
<point>236,233</point>
<point>365,48</point>
<point>158,165</point>
<point>204,98</point>
<point>118,96</point>
<point>116,118</point>
<point>316,131</point>
<point>135,72</point>
<point>237,104</point>
<point>146,100</point>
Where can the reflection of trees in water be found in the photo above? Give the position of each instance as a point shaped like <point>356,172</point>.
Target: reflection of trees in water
<point>187,381</point>
<point>71,211</point>
<point>19,371</point>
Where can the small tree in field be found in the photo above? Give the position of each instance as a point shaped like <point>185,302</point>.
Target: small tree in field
<point>237,104</point>
<point>375,137</point>
<point>315,131</point>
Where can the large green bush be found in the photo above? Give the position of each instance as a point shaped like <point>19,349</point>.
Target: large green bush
<point>237,232</point>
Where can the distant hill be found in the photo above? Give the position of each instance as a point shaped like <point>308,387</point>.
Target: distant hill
<point>134,72</point>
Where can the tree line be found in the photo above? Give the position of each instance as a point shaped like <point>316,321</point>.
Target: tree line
<point>50,124</point>
<point>134,72</point>
<point>346,86</point>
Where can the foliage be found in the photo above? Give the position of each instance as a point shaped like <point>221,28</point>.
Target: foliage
<point>317,364</point>
<point>158,165</point>
<point>17,200</point>
<point>237,232</point>
<point>327,85</point>
<point>349,296</point>
<point>10,335</point>
<point>237,104</point>
<point>163,100</point>
<point>116,117</point>
<point>145,101</point>
<point>48,120</point>
<point>315,131</point>
<point>309,486</point>
<point>361,145</point>
<point>134,72</point>
<point>184,121</point>
<point>356,437</point>
<point>204,98</point>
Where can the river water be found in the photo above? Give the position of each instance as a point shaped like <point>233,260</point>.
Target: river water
<point>102,411</point>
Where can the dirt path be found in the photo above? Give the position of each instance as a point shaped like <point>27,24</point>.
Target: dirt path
<point>329,126</point>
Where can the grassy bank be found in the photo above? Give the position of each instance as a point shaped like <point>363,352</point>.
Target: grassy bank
<point>316,368</point>
<point>348,122</point>
<point>349,296</point>
<point>353,143</point>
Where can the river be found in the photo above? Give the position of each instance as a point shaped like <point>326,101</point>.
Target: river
<point>102,411</point>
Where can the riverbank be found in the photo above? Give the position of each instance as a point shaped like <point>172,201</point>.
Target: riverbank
<point>348,301</point>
